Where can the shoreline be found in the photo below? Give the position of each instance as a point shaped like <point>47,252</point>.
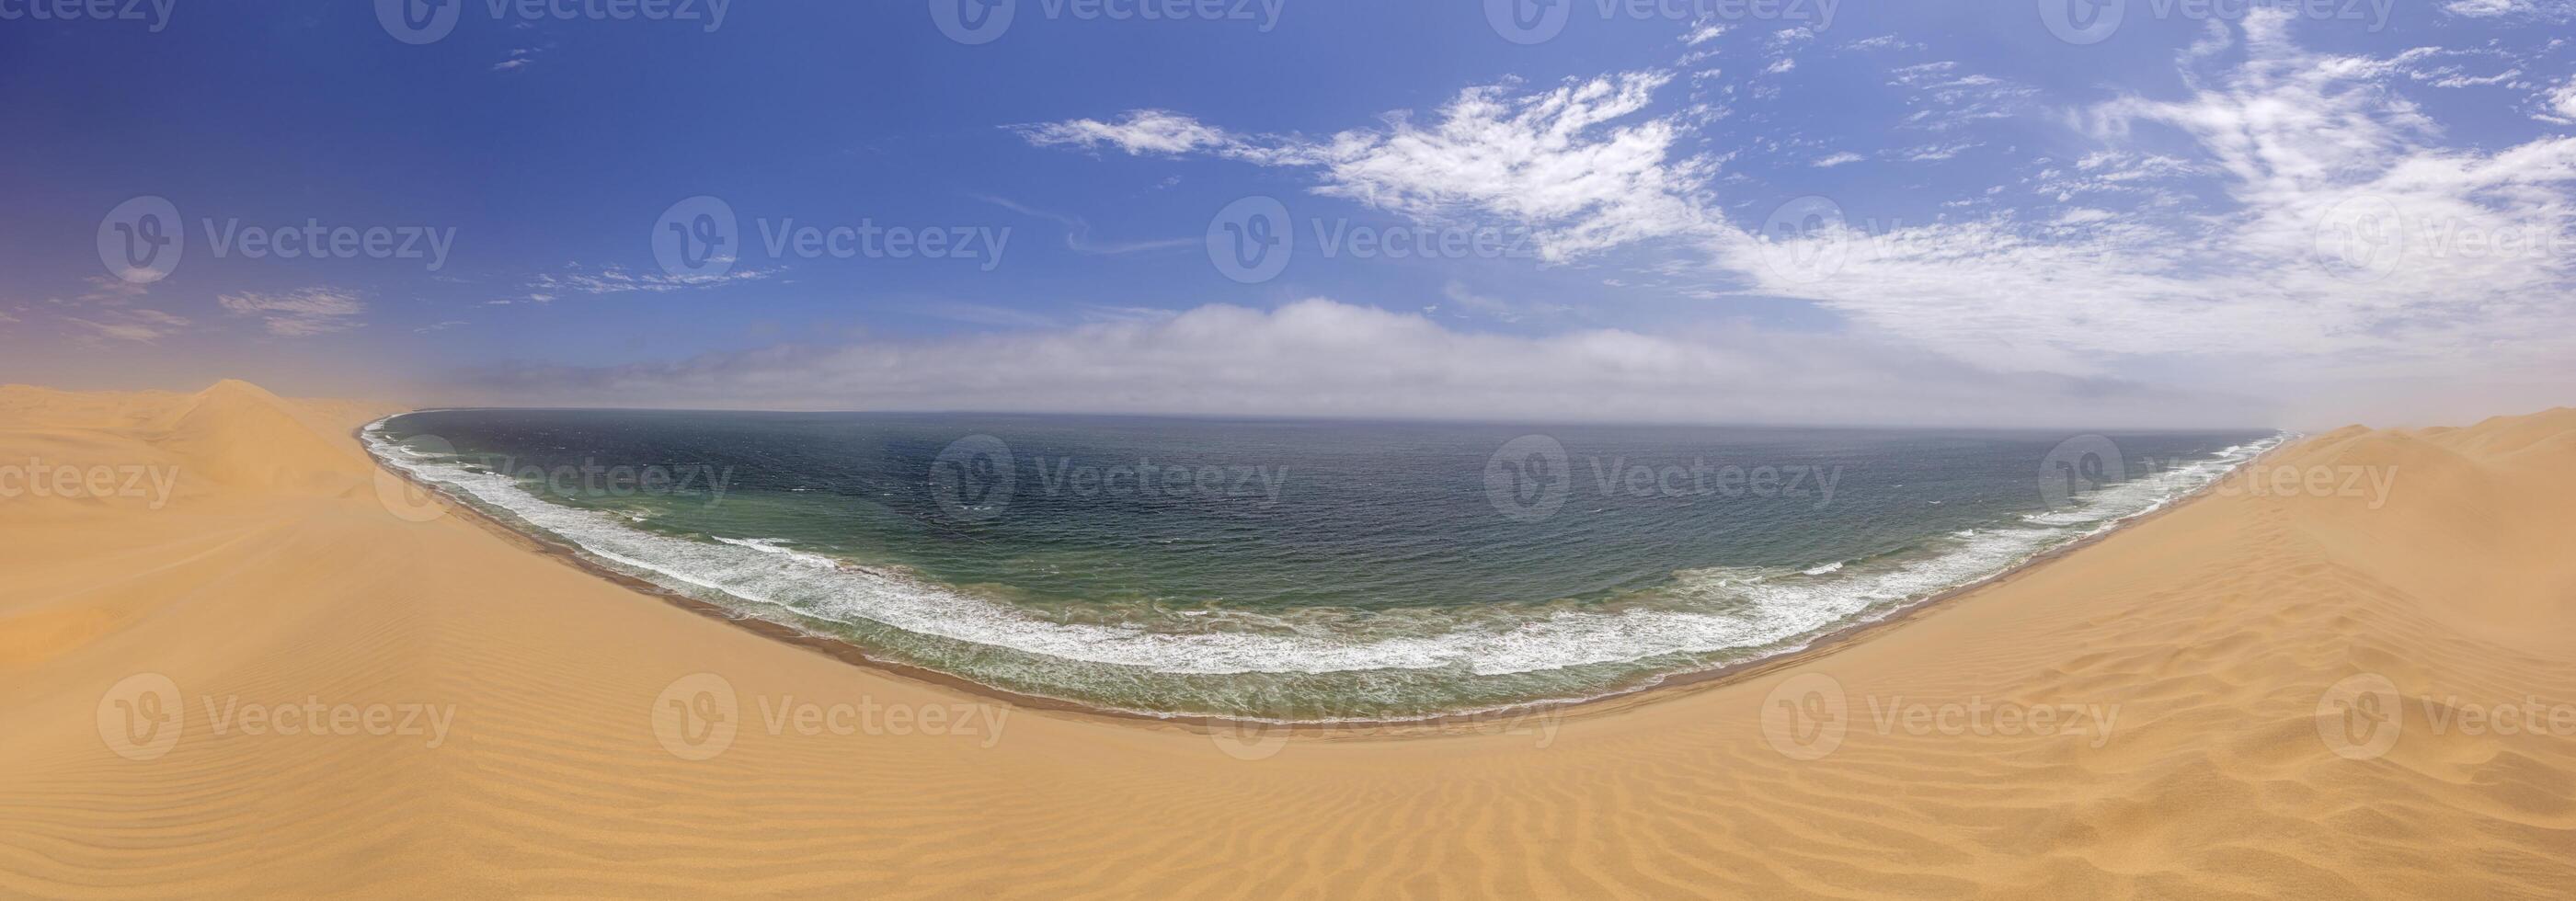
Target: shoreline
<point>1655,690</point>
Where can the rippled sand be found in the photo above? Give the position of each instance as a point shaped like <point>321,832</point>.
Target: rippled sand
<point>2254,694</point>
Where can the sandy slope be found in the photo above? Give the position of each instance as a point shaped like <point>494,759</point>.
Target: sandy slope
<point>274,573</point>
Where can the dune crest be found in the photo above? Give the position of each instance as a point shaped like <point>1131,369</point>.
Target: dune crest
<point>241,434</point>
<point>2205,674</point>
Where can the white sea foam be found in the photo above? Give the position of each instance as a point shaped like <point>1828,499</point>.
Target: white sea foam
<point>1703,611</point>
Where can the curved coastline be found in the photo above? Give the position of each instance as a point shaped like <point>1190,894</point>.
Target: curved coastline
<point>1647,688</point>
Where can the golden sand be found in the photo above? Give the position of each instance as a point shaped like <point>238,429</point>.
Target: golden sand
<point>2257,694</point>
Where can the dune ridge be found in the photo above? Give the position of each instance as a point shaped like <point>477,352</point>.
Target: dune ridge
<point>2195,651</point>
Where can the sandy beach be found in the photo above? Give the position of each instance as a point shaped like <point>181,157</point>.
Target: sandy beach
<point>239,660</point>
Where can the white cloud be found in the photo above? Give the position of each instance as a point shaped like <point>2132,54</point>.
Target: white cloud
<point>1578,164</point>
<point>106,312</point>
<point>1140,132</point>
<point>144,326</point>
<point>2546,10</point>
<point>2292,271</point>
<point>1838,159</point>
<point>2560,104</point>
<point>616,280</point>
<point>301,313</point>
<point>2226,230</point>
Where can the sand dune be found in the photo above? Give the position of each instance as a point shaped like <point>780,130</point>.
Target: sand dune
<point>2184,663</point>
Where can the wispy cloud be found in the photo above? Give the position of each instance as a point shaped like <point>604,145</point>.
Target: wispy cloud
<point>519,58</point>
<point>1577,163</point>
<point>145,326</point>
<point>106,312</point>
<point>617,280</point>
<point>301,313</point>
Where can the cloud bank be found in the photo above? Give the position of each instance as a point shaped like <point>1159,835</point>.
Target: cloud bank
<point>1322,358</point>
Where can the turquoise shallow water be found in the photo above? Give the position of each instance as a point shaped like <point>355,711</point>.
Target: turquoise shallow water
<point>1295,570</point>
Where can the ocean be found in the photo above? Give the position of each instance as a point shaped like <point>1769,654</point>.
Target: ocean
<point>1295,570</point>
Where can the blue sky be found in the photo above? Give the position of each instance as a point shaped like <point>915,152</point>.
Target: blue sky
<point>1709,211</point>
